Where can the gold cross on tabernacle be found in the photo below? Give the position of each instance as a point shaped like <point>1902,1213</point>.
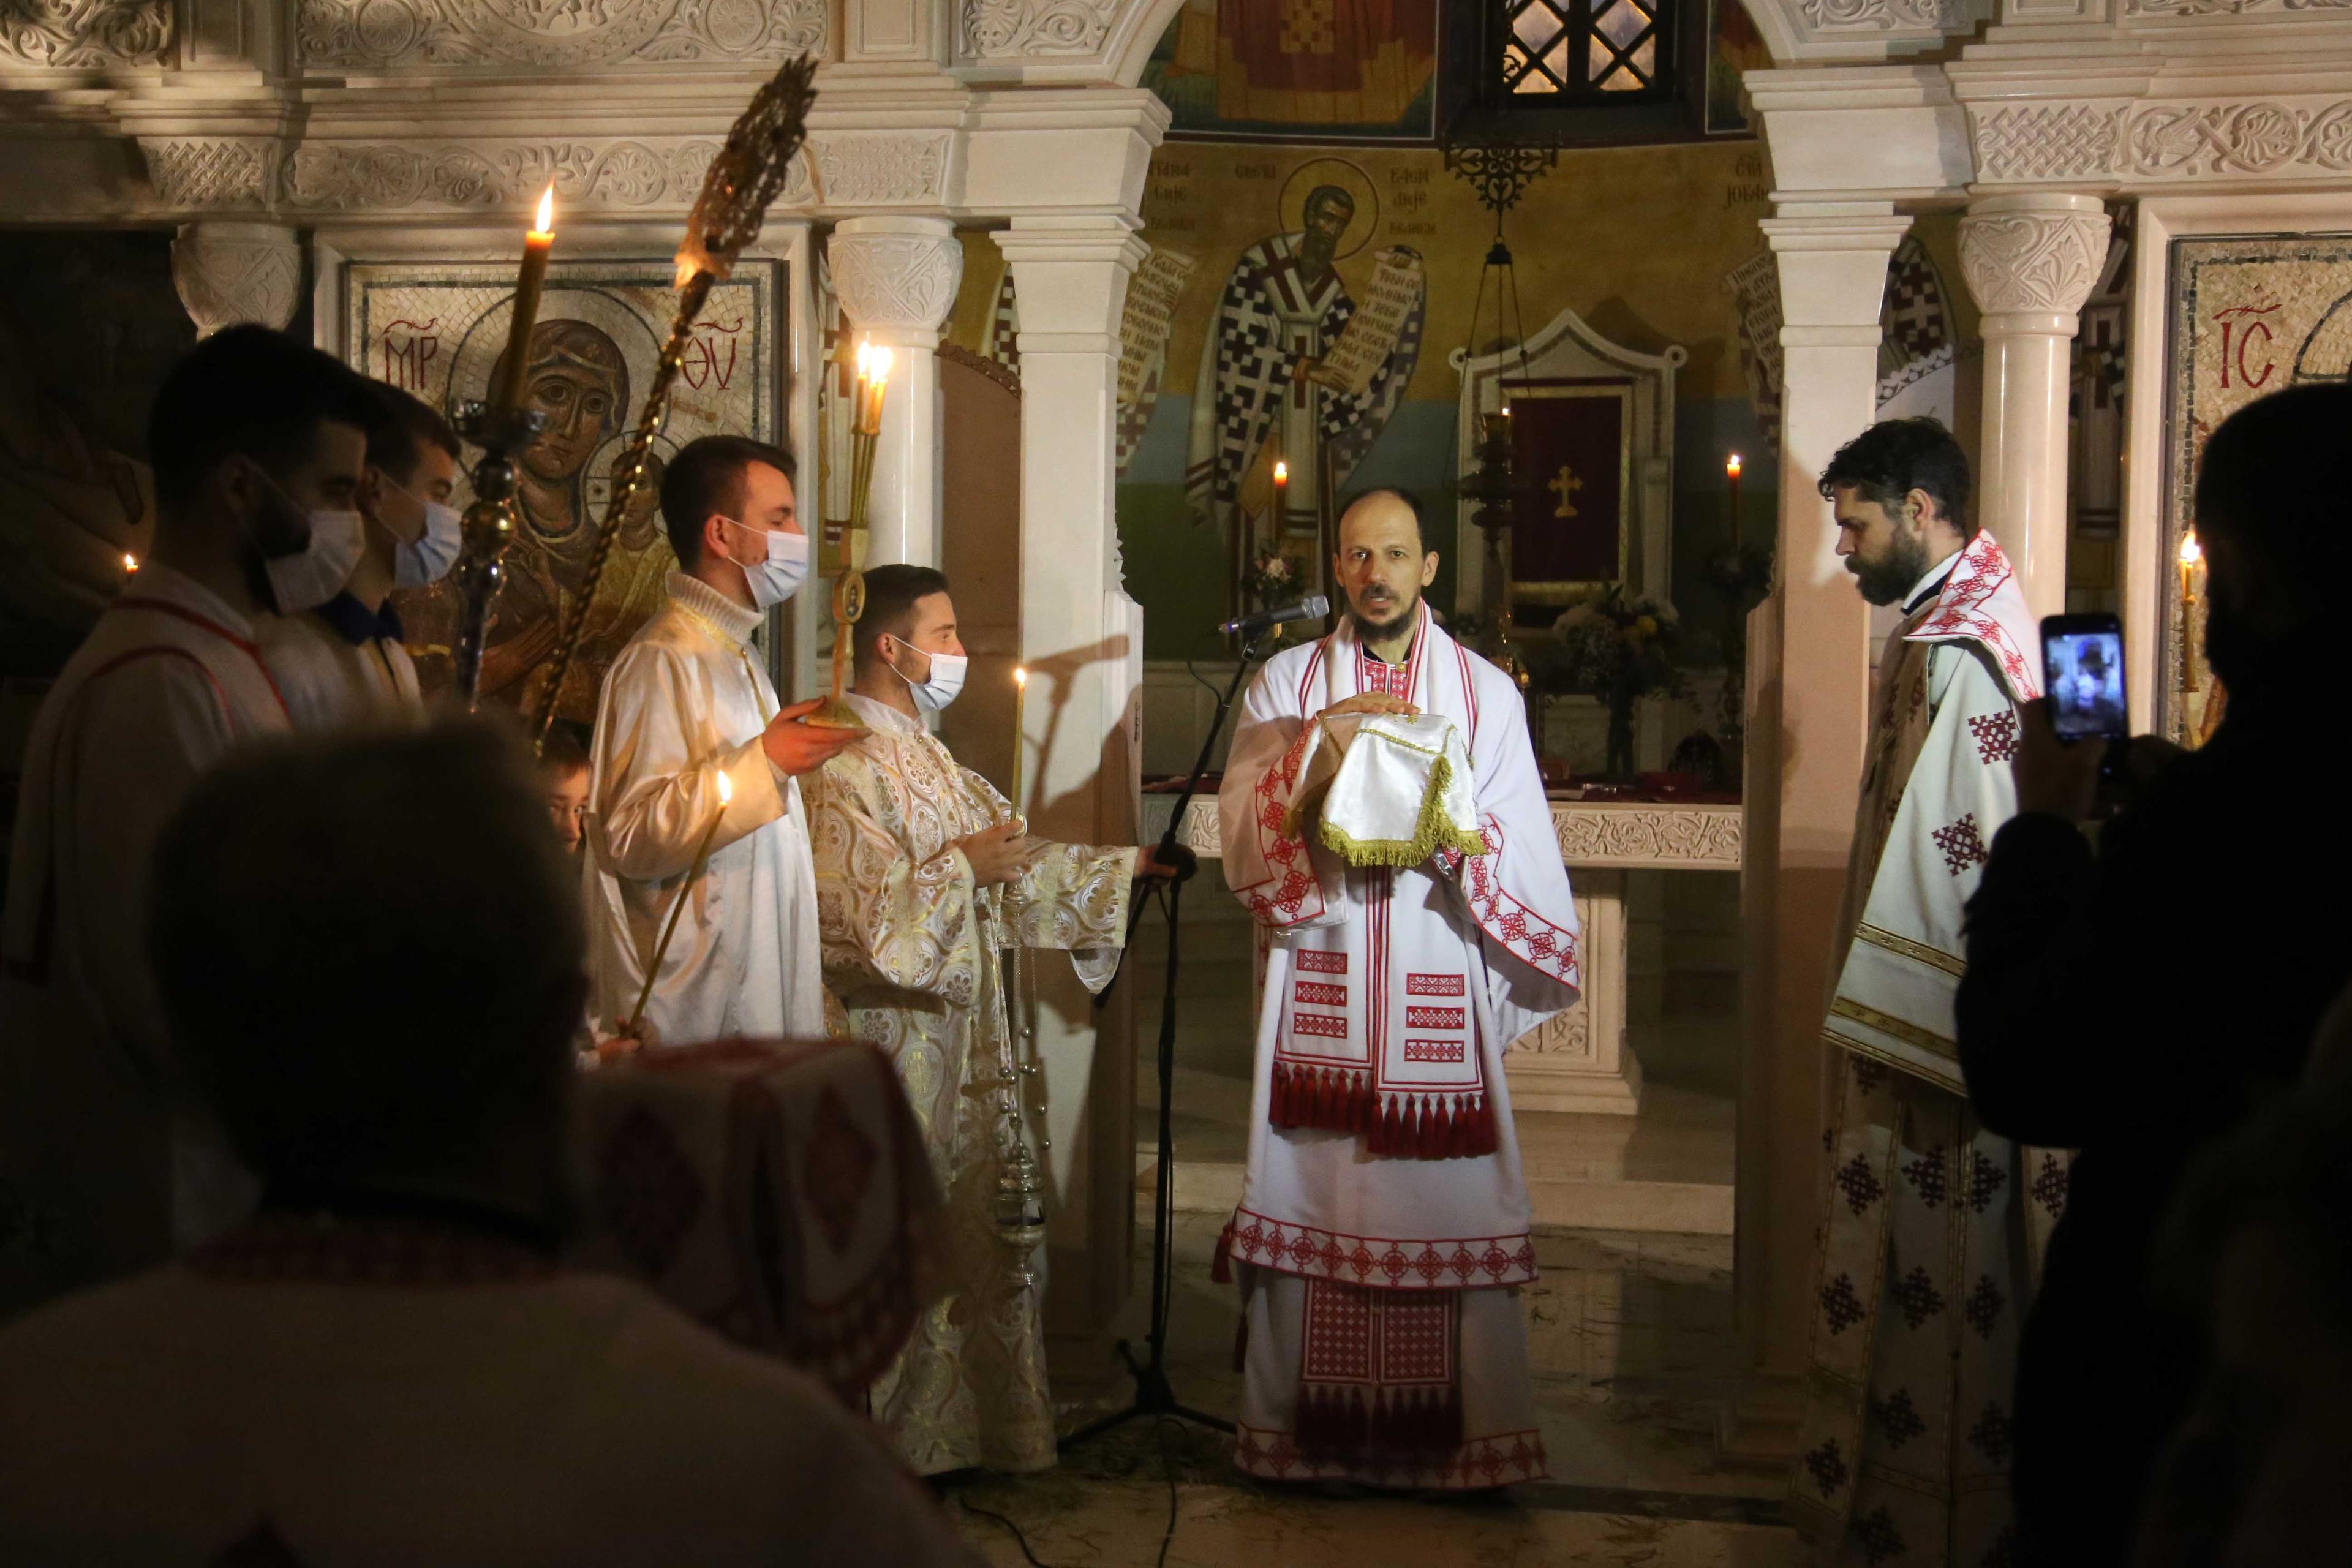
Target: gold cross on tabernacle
<point>1565,486</point>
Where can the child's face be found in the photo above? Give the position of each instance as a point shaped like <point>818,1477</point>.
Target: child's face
<point>567,802</point>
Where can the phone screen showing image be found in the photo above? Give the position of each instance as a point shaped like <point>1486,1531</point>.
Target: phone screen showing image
<point>2083,668</point>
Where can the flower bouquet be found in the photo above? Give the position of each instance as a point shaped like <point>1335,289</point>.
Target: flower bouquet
<point>1618,650</point>
<point>1273,580</point>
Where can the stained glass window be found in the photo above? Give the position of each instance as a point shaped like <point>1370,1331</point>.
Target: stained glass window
<point>1559,52</point>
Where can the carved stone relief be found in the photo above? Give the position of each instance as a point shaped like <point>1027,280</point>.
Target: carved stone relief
<point>2223,7</point>
<point>82,34</point>
<point>1015,30</point>
<point>575,33</point>
<point>1618,835</point>
<point>2032,262</point>
<point>357,176</point>
<point>1887,14</point>
<point>896,280</point>
<point>232,272</point>
<point>882,167</point>
<point>2163,141</point>
<point>210,172</point>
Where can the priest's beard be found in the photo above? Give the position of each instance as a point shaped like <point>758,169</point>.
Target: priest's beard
<point>1395,617</point>
<point>1885,580</point>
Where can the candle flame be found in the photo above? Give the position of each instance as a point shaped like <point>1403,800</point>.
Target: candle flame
<point>1732,467</point>
<point>1282,473</point>
<point>546,224</point>
<point>726,790</point>
<point>2192,552</point>
<point>881,363</point>
<point>130,562</point>
<point>865,359</point>
<point>1506,411</point>
<point>1019,676</point>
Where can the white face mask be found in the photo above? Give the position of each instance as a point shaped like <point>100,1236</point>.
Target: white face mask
<point>317,573</point>
<point>779,574</point>
<point>426,558</point>
<point>946,679</point>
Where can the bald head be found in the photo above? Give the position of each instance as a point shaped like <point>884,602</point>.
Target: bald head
<point>1383,563</point>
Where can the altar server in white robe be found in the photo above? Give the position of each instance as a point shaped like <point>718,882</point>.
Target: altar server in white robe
<point>1383,1227</point>
<point>1931,1225</point>
<point>105,1164</point>
<point>391,1364</point>
<point>686,704</point>
<point>345,662</point>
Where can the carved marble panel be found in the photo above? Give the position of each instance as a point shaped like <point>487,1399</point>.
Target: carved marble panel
<point>233,272</point>
<point>410,34</point>
<point>878,168</point>
<point>2034,262</point>
<point>81,34</point>
<point>2219,139</point>
<point>896,280</point>
<point>346,177</point>
<point>1037,29</point>
<point>210,172</point>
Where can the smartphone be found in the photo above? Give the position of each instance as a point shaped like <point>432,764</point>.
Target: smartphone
<point>2082,671</point>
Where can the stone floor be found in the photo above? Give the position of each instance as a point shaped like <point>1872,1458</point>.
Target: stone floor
<point>1630,1335</point>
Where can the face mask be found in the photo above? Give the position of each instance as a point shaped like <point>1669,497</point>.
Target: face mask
<point>780,574</point>
<point>426,558</point>
<point>317,573</point>
<point>946,679</point>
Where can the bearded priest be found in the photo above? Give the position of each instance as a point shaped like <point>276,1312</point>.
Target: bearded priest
<point>1932,1223</point>
<point>1384,822</point>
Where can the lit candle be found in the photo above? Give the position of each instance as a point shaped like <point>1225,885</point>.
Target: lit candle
<point>685,891</point>
<point>1731,476</point>
<point>130,562</point>
<point>865,375</point>
<point>2191,553</point>
<point>1281,486</point>
<point>535,247</point>
<point>1020,705</point>
<point>874,389</point>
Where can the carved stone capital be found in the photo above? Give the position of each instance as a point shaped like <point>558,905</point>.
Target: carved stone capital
<point>232,272</point>
<point>896,275</point>
<point>2033,254</point>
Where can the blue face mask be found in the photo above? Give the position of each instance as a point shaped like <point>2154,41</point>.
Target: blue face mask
<point>426,558</point>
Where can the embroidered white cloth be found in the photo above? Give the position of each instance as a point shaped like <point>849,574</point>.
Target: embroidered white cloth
<point>1386,789</point>
<point>1382,1161</point>
<point>103,1155</point>
<point>686,701</point>
<point>368,1393</point>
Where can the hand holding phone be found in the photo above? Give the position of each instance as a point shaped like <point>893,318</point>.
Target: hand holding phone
<point>2082,672</point>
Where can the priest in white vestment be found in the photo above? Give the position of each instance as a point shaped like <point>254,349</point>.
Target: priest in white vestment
<point>1382,1233</point>
<point>926,891</point>
<point>392,1364</point>
<point>686,704</point>
<point>345,662</point>
<point>1931,1225</point>
<point>105,1164</point>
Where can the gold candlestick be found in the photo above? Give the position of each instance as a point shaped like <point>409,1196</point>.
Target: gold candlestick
<point>528,283</point>
<point>685,891</point>
<point>849,588</point>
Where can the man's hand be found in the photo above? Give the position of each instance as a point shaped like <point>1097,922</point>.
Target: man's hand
<point>2055,777</point>
<point>996,853</point>
<point>797,747</point>
<point>1370,702</point>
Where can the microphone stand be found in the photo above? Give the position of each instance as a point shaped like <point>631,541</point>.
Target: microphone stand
<point>1154,1395</point>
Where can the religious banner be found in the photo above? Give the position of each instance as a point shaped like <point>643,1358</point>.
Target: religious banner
<point>1571,449</point>
<point>2248,316</point>
<point>439,329</point>
<point>1370,334</point>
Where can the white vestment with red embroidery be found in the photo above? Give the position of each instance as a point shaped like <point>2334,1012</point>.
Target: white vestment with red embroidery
<point>108,1165</point>
<point>1382,1231</point>
<point>1932,1225</point>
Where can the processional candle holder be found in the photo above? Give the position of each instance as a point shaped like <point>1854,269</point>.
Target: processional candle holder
<point>748,174</point>
<point>1493,486</point>
<point>849,587</point>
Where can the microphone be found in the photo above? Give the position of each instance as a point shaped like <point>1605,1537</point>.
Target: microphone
<point>1309,608</point>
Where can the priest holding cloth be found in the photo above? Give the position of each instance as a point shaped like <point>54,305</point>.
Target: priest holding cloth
<point>1385,823</point>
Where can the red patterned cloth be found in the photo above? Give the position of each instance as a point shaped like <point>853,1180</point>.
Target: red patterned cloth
<point>777,1192</point>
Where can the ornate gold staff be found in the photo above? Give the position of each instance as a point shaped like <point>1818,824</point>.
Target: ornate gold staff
<point>747,176</point>
<point>849,587</point>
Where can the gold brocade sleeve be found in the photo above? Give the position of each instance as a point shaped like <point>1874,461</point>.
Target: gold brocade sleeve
<point>884,917</point>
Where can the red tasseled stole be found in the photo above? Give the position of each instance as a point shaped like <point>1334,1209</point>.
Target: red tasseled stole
<point>1380,1382</point>
<point>1394,1126</point>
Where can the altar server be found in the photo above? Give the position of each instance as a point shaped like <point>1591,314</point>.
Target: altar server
<point>686,704</point>
<point>345,662</point>
<point>926,884</point>
<point>1382,1233</point>
<point>105,1164</point>
<point>1931,1222</point>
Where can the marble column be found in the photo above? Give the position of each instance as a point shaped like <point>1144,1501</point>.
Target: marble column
<point>895,279</point>
<point>231,272</point>
<point>1808,690</point>
<point>1081,636</point>
<point>2031,259</point>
